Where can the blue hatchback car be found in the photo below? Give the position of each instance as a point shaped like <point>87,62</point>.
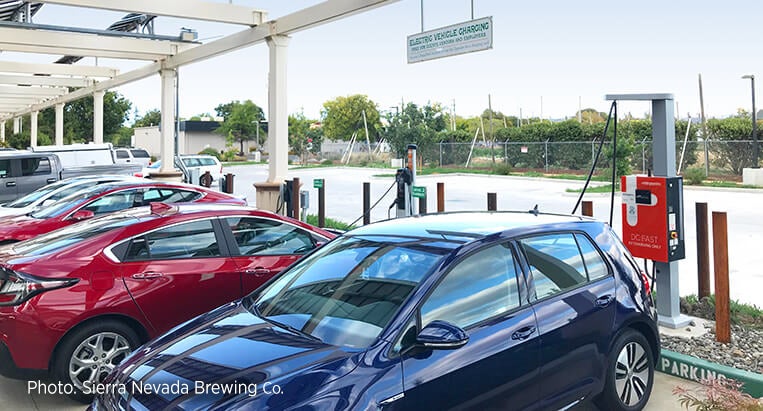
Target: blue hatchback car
<point>507,311</point>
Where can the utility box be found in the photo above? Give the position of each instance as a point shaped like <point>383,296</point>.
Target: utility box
<point>653,217</point>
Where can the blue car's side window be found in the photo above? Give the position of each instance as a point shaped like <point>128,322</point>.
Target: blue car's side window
<point>480,287</point>
<point>555,263</point>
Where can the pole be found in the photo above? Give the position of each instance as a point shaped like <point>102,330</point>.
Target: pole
<point>704,126</point>
<point>756,147</point>
<point>703,251</point>
<point>440,197</point>
<point>492,136</point>
<point>423,205</point>
<point>322,205</point>
<point>295,197</point>
<point>492,202</point>
<point>721,260</point>
<point>366,203</point>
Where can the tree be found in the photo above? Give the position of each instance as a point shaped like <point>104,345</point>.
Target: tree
<point>241,121</point>
<point>303,136</point>
<point>151,118</point>
<point>78,116</point>
<point>343,116</point>
<point>415,125</point>
<point>591,116</point>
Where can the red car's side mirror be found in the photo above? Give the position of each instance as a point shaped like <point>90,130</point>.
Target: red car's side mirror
<point>82,215</point>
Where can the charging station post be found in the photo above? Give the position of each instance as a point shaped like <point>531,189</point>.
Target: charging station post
<point>664,161</point>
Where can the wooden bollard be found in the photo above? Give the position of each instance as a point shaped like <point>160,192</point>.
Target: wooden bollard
<point>492,202</point>
<point>440,197</point>
<point>366,203</point>
<point>721,272</point>
<point>588,208</point>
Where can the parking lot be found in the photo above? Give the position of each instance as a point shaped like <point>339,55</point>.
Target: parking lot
<point>344,190</point>
<point>469,193</point>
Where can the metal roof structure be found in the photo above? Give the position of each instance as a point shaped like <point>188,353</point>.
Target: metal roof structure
<point>45,85</point>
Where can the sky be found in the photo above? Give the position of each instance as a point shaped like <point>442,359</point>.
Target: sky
<point>548,58</point>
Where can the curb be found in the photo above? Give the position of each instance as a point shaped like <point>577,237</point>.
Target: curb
<point>695,369</point>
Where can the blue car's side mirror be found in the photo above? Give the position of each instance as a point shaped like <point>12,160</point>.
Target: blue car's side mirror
<point>442,335</point>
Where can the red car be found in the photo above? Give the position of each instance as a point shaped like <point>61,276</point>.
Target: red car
<point>78,300</point>
<point>102,199</point>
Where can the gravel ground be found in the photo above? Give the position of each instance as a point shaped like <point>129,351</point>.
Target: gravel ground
<point>744,352</point>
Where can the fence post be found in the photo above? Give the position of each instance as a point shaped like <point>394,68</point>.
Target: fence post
<point>492,202</point>
<point>440,197</point>
<point>440,153</point>
<point>545,159</point>
<point>366,203</point>
<point>588,208</point>
<point>505,153</point>
<point>721,262</point>
<point>703,251</point>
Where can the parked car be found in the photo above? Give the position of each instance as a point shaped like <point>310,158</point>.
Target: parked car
<point>102,199</point>
<point>132,156</point>
<point>87,159</point>
<point>22,172</point>
<point>201,162</point>
<point>49,194</point>
<point>461,310</point>
<point>78,300</point>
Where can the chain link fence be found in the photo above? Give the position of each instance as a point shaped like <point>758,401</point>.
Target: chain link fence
<point>730,156</point>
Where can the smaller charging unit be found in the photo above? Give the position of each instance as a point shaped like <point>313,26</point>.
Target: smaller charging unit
<point>653,217</point>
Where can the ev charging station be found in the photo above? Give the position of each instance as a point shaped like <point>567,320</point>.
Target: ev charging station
<point>653,218</point>
<point>405,179</point>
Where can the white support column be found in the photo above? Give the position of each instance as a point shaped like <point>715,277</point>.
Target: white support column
<point>16,125</point>
<point>98,117</point>
<point>60,124</point>
<point>33,130</point>
<point>278,117</point>
<point>2,131</point>
<point>167,143</point>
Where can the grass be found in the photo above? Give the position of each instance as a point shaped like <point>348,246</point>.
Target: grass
<point>312,219</point>
<point>726,184</point>
<point>741,314</point>
<point>598,189</point>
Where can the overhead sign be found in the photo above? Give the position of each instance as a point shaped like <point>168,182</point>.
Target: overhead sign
<point>466,37</point>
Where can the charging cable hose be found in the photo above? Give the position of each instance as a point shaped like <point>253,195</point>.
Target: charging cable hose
<point>375,204</point>
<point>595,159</point>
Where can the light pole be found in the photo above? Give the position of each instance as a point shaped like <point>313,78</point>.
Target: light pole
<point>755,147</point>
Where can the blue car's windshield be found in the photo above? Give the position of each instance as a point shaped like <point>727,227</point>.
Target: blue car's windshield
<point>346,293</point>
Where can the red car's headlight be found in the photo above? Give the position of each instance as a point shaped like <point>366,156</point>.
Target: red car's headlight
<point>15,287</point>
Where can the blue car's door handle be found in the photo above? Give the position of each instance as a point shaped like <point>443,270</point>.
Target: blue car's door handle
<point>523,333</point>
<point>604,301</point>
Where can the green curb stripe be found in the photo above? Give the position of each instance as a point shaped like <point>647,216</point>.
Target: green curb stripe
<point>695,369</point>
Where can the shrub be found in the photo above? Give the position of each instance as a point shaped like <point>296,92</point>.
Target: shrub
<point>210,152</point>
<point>502,169</point>
<point>327,163</point>
<point>694,175</point>
<point>717,394</point>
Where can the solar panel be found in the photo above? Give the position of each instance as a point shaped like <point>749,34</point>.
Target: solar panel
<point>10,9</point>
<point>128,23</point>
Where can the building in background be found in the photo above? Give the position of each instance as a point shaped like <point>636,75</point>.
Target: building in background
<point>194,137</point>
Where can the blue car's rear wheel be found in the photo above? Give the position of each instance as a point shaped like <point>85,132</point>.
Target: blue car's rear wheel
<point>630,373</point>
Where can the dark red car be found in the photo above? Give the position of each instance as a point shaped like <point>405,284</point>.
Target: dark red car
<point>78,300</point>
<point>102,199</point>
